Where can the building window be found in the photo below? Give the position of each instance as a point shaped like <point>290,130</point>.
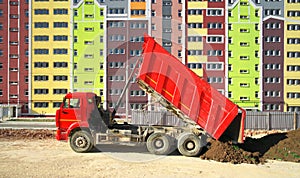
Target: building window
<point>195,11</point>
<point>60,24</point>
<point>214,12</point>
<point>293,13</point>
<point>60,11</point>
<point>195,52</point>
<point>60,64</point>
<point>244,98</point>
<point>293,81</point>
<point>41,51</point>
<point>272,93</point>
<point>41,25</point>
<point>41,104</point>
<point>293,27</point>
<point>216,26</point>
<point>60,51</point>
<point>293,54</point>
<point>60,38</point>
<point>41,78</point>
<point>293,95</point>
<point>293,40</point>
<point>60,78</point>
<point>293,68</point>
<point>41,91</point>
<point>274,25</point>
<point>214,80</point>
<point>214,66</point>
<point>276,12</point>
<point>244,85</point>
<point>214,39</point>
<point>56,104</point>
<point>244,30</point>
<point>195,25</point>
<point>41,38</point>
<point>138,12</point>
<point>272,53</point>
<point>60,91</point>
<point>116,11</point>
<point>179,13</point>
<point>215,53</point>
<point>41,11</point>
<point>194,38</point>
<point>89,29</point>
<point>101,12</point>
<point>272,80</point>
<point>195,65</point>
<point>272,66</point>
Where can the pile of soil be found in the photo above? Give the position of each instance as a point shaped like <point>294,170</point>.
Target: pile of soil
<point>26,134</point>
<point>227,152</point>
<point>278,146</point>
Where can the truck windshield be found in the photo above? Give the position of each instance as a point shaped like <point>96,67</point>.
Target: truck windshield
<point>72,103</point>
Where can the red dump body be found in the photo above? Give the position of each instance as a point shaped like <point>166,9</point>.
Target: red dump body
<point>187,93</point>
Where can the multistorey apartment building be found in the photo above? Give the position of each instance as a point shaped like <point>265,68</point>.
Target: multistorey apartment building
<point>206,33</point>
<point>89,39</point>
<point>244,54</point>
<point>14,67</point>
<point>49,54</point>
<point>246,49</point>
<point>291,66</point>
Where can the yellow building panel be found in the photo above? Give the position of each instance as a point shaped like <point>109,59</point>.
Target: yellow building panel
<point>198,72</point>
<point>195,18</point>
<point>138,5</point>
<point>197,5</point>
<point>197,32</point>
<point>197,59</point>
<point>195,45</point>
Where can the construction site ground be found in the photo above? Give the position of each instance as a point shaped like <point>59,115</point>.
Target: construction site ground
<point>36,153</point>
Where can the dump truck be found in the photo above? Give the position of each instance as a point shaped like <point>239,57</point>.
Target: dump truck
<point>206,112</point>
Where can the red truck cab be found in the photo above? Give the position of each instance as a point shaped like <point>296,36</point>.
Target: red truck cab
<point>74,113</point>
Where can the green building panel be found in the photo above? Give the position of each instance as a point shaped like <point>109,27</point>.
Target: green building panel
<point>89,47</point>
<point>244,44</point>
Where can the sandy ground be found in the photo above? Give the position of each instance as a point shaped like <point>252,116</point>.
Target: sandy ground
<point>51,158</point>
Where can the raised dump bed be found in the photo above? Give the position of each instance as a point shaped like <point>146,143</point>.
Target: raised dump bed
<point>187,95</point>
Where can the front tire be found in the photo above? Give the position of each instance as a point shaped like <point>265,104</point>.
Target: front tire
<point>159,144</point>
<point>81,141</point>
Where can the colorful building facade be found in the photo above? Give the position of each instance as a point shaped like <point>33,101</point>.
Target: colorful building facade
<point>49,54</point>
<point>88,69</point>
<point>14,56</point>
<point>246,49</point>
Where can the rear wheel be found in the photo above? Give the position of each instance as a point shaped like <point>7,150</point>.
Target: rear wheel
<point>81,141</point>
<point>159,143</point>
<point>189,144</point>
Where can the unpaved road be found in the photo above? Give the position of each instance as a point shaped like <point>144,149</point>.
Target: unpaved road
<point>50,158</point>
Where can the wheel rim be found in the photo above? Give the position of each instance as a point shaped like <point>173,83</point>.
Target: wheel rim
<point>158,143</point>
<point>81,142</point>
<point>190,145</point>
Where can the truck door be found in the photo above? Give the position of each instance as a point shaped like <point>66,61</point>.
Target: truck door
<point>70,111</point>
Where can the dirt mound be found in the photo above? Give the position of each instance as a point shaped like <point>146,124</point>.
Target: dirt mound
<point>226,152</point>
<point>26,134</point>
<point>279,146</point>
<point>287,149</point>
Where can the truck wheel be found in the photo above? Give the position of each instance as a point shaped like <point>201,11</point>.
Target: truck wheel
<point>189,144</point>
<point>159,143</point>
<point>81,141</point>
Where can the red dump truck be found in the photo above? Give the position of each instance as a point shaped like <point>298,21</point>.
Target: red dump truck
<point>176,87</point>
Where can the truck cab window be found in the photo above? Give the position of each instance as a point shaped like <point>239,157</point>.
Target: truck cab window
<point>71,103</point>
<point>74,103</point>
